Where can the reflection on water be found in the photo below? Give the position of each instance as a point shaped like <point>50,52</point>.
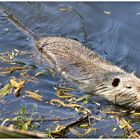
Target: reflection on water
<point>111,29</point>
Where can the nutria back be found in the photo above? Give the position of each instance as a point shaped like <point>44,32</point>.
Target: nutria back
<point>90,71</point>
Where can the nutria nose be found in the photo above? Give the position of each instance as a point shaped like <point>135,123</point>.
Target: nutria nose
<point>40,49</point>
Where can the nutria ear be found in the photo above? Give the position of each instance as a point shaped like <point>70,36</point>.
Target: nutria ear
<point>115,82</point>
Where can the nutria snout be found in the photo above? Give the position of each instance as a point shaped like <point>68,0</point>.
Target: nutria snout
<point>92,73</point>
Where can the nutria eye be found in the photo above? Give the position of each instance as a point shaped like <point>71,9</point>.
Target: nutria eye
<point>115,82</point>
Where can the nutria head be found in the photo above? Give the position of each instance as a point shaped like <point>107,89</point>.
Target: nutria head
<point>122,89</point>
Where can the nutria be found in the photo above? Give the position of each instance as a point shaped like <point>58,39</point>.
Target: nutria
<point>92,73</point>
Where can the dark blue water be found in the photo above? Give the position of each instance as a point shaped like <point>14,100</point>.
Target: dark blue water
<point>111,29</point>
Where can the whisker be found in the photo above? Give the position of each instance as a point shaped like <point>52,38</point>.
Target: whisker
<point>101,89</point>
<point>135,104</point>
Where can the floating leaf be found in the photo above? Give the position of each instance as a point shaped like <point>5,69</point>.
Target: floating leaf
<point>34,95</point>
<point>125,125</point>
<point>82,110</point>
<point>8,57</point>
<point>63,104</point>
<point>11,69</point>
<point>75,132</point>
<point>51,71</point>
<point>88,131</point>
<point>59,131</point>
<point>85,97</point>
<point>17,85</point>
<point>5,90</point>
<point>40,73</point>
<point>85,126</point>
<point>28,78</point>
<point>94,129</point>
<point>62,93</point>
<point>98,104</point>
<point>11,55</point>
<point>6,60</point>
<point>85,102</point>
<point>114,129</point>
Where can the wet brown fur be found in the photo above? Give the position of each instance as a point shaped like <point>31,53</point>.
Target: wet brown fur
<point>92,73</point>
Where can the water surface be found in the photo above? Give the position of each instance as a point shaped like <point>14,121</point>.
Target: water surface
<point>110,29</point>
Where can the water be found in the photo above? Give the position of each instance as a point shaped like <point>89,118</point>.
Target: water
<point>111,29</point>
